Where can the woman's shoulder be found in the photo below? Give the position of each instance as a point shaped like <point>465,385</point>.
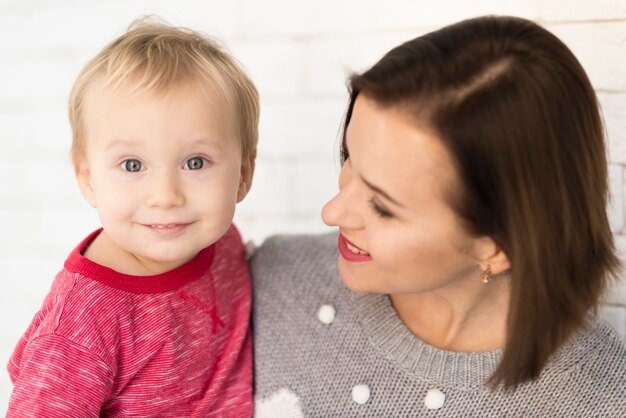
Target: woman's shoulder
<point>286,247</point>
<point>295,257</point>
<point>592,370</point>
<point>599,353</point>
<point>597,346</point>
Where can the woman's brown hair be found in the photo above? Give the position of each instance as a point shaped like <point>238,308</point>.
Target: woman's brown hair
<point>519,117</point>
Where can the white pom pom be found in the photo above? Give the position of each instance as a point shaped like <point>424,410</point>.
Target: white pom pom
<point>434,399</point>
<point>326,314</point>
<point>360,394</point>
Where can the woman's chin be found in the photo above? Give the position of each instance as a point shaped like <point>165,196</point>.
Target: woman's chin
<point>354,280</point>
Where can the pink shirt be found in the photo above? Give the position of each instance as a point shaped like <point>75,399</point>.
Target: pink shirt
<point>107,344</point>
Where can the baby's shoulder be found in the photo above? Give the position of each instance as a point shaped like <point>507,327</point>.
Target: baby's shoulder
<point>80,310</point>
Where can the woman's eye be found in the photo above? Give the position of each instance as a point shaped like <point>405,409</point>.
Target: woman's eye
<point>379,210</point>
<point>196,163</point>
<point>132,166</point>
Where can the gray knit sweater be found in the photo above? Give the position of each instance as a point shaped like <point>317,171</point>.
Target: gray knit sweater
<point>363,362</point>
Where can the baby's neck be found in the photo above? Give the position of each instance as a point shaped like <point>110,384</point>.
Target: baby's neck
<point>107,253</point>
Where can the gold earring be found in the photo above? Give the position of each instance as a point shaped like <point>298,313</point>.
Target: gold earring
<point>486,275</point>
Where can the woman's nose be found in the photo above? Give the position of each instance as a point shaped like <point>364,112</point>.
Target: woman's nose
<point>345,208</point>
<point>165,191</point>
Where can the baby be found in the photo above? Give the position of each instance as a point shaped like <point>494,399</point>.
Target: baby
<point>150,314</point>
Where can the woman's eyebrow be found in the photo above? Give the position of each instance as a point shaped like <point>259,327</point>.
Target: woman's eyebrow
<point>381,192</point>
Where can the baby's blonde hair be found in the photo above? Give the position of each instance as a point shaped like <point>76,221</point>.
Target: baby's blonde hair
<point>157,56</point>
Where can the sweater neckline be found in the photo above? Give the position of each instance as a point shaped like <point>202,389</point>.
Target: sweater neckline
<point>159,283</point>
<point>392,339</point>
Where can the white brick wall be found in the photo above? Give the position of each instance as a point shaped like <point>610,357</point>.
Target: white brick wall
<point>298,53</point>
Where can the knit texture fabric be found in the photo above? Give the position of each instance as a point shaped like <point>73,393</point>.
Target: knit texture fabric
<point>305,368</point>
<point>106,344</point>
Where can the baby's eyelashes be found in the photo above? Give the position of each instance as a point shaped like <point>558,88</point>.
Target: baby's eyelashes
<point>132,165</point>
<point>196,163</point>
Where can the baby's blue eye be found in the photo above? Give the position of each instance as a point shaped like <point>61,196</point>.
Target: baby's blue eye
<point>195,163</point>
<point>132,166</point>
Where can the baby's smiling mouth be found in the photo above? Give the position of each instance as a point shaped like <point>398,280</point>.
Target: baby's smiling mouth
<point>164,226</point>
<point>167,228</point>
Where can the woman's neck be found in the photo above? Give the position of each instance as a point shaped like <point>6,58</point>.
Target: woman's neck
<point>471,319</point>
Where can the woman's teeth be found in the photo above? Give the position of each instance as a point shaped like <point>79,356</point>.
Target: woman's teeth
<point>355,250</point>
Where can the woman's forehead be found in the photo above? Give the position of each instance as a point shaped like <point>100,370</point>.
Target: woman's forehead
<point>390,148</point>
<point>393,134</point>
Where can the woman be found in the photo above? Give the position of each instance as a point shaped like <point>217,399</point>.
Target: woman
<point>473,244</point>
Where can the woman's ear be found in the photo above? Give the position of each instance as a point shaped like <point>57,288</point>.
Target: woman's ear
<point>491,256</point>
<point>83,177</point>
<point>245,181</point>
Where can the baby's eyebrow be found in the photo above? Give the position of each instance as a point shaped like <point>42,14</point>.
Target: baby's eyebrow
<point>210,142</point>
<point>213,144</point>
<point>120,143</point>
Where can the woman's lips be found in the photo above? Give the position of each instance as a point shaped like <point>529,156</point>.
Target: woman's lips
<point>351,252</point>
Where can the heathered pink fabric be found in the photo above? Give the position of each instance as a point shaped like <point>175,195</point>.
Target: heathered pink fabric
<point>106,344</point>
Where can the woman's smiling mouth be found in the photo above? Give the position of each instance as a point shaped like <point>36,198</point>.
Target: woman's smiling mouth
<point>351,252</point>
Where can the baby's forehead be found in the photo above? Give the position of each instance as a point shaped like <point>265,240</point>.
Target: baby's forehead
<point>194,106</point>
<point>106,96</point>
<point>141,88</point>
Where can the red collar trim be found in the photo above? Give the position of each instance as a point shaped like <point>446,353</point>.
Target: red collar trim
<point>159,283</point>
